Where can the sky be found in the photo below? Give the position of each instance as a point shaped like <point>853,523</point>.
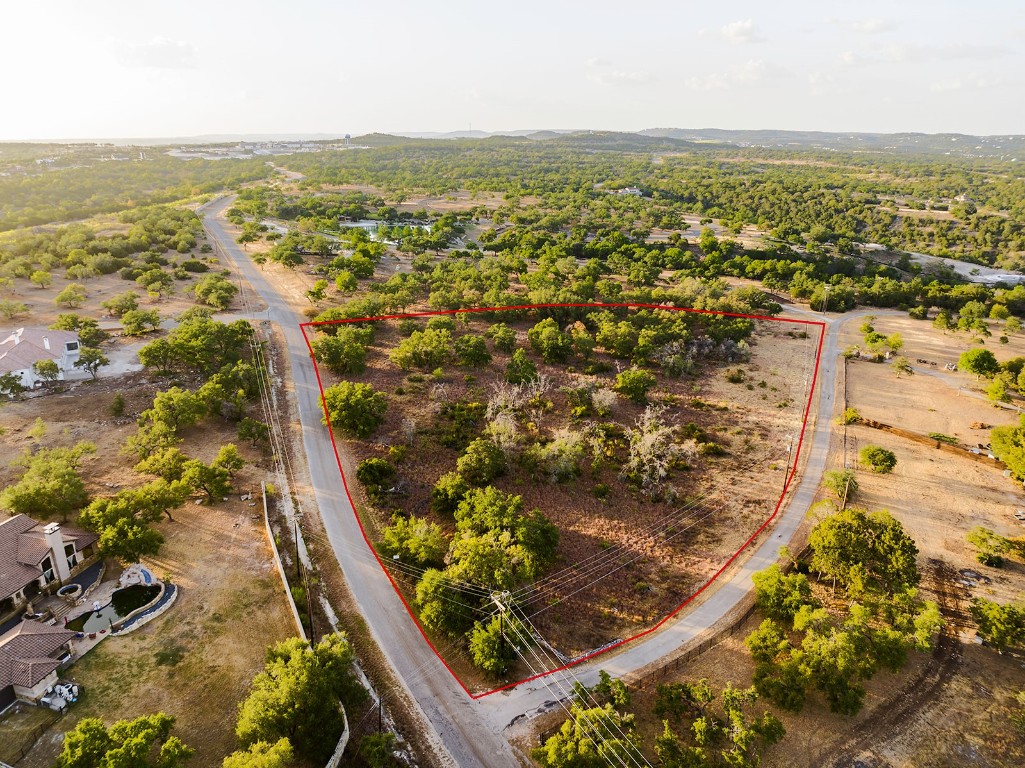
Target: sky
<point>153,68</point>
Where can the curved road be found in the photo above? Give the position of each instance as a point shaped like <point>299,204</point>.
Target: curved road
<point>471,731</point>
<point>455,719</point>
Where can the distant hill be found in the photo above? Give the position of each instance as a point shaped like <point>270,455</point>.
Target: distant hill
<point>964,145</point>
<point>955,144</point>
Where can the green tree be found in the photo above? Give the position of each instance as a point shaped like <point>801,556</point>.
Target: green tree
<point>520,369</point>
<point>866,552</point>
<point>145,742</point>
<point>503,336</point>
<point>344,352</point>
<point>253,431</point>
<point>1009,446</point>
<point>216,291</point>
<point>229,459</point>
<point>378,749</point>
<point>122,303</point>
<point>137,322</point>
<point>443,605</point>
<point>346,282</point>
<point>979,361</point>
<point>496,543</point>
<point>481,462</point>
<point>50,484</point>
<point>489,648</point>
<point>426,349</point>
<point>10,385</point>
<point>123,521</point>
<point>878,459</point>
<point>152,438</point>
<point>635,384</point>
<point>842,482</point>
<point>725,735</point>
<point>991,547</point>
<point>547,340</point>
<point>11,309</point>
<point>1002,626</point>
<point>448,492</point>
<point>88,330</point>
<point>297,696</point>
<point>176,407</point>
<point>998,389</point>
<point>415,540</point>
<point>262,754</point>
<point>92,360</point>
<point>591,738</point>
<point>472,351</point>
<point>41,279</point>
<point>317,292</point>
<point>902,366</point>
<point>376,475</point>
<point>73,295</point>
<point>780,596</point>
<point>212,479</point>
<point>47,370</point>
<point>355,409</point>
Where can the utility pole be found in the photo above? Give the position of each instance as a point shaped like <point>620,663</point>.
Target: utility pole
<point>786,472</point>
<point>499,598</point>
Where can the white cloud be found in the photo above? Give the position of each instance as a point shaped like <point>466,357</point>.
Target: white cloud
<point>741,32</point>
<point>751,72</point>
<point>158,53</point>
<point>863,26</point>
<point>965,83</point>
<point>914,53</point>
<point>605,73</point>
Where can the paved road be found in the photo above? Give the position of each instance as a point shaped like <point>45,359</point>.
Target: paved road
<point>471,731</point>
<point>505,707</point>
<point>455,719</point>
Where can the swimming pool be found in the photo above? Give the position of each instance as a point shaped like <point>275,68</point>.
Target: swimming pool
<point>122,602</point>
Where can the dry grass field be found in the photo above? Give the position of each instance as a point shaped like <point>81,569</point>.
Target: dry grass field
<point>196,661</point>
<point>951,707</point>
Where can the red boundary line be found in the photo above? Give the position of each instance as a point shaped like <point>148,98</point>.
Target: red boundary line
<point>681,606</point>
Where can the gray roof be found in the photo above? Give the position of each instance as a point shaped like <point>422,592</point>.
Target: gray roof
<point>25,346</point>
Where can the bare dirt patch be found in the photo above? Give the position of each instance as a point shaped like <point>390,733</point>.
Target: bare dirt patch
<point>629,579</point>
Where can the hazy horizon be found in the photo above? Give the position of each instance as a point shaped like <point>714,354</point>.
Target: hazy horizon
<point>124,70</point>
<point>201,139</point>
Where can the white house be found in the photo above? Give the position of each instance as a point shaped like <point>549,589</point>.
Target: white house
<point>27,346</point>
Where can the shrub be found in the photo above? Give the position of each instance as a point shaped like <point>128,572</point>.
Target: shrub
<point>878,459</point>
<point>356,409</point>
<point>634,384</point>
<point>415,540</point>
<point>448,492</point>
<point>375,475</point>
<point>850,416</point>
<point>520,369</point>
<point>481,462</point>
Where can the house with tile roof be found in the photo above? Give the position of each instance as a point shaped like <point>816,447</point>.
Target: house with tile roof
<point>22,349</point>
<point>30,655</point>
<point>33,556</point>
